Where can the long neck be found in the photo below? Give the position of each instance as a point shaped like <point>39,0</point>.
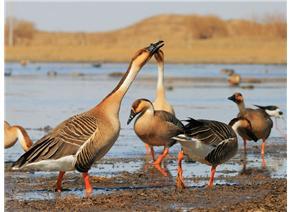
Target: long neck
<point>241,107</point>
<point>24,138</point>
<point>112,102</point>
<point>236,125</point>
<point>160,92</point>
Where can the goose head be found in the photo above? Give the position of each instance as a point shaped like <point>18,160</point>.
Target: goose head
<point>143,55</point>
<point>272,110</point>
<point>237,98</point>
<point>139,106</point>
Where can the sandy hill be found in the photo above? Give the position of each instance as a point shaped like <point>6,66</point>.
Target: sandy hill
<point>188,38</point>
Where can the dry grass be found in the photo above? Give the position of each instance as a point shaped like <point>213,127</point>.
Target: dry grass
<point>189,39</point>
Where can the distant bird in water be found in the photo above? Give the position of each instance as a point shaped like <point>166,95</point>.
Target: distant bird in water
<point>209,142</point>
<point>79,141</point>
<point>160,103</point>
<point>260,121</point>
<point>155,128</point>
<point>51,73</point>
<point>234,79</point>
<point>14,133</point>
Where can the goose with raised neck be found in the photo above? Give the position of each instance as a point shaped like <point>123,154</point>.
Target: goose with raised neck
<point>76,143</point>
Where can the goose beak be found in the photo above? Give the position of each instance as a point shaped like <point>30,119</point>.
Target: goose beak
<point>154,47</point>
<point>131,117</point>
<point>280,113</point>
<point>232,98</point>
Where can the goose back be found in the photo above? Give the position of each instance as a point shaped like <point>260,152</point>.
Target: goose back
<point>260,121</point>
<point>157,130</point>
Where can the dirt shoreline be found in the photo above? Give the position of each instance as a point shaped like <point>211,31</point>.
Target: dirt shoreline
<point>250,189</point>
<point>257,193</point>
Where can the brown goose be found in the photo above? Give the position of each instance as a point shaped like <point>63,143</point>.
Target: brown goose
<point>209,142</point>
<point>160,102</point>
<point>14,133</point>
<point>154,127</point>
<point>260,121</point>
<point>79,141</point>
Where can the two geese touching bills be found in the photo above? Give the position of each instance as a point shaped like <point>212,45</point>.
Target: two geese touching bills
<point>79,141</point>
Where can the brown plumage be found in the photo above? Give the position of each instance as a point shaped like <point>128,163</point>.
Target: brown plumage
<point>160,102</point>
<point>154,127</point>
<point>260,121</point>
<point>82,139</point>
<point>14,133</point>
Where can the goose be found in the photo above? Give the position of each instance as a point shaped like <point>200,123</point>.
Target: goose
<point>14,133</point>
<point>260,121</point>
<point>209,142</point>
<point>154,127</point>
<point>234,79</point>
<point>275,112</point>
<point>160,102</point>
<point>76,143</point>
<point>271,110</point>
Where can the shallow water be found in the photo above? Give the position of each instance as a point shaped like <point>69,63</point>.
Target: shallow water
<point>35,100</point>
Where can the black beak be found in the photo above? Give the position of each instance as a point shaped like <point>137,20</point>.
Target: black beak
<point>154,47</point>
<point>280,113</point>
<point>132,115</point>
<point>232,98</point>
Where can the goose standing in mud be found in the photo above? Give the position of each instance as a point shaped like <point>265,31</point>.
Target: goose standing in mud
<point>155,128</point>
<point>260,121</point>
<point>14,133</point>
<point>79,141</point>
<point>160,102</point>
<point>209,142</point>
<point>275,112</point>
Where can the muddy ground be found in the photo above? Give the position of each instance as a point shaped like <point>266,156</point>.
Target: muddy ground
<point>250,189</point>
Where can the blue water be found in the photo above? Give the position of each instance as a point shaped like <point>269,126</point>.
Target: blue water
<point>34,100</point>
<point>176,70</point>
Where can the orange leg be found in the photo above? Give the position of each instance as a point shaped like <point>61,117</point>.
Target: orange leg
<point>147,149</point>
<point>152,153</point>
<point>212,172</point>
<point>263,153</point>
<point>59,181</point>
<point>245,146</point>
<point>157,163</point>
<point>161,157</point>
<point>179,179</point>
<point>263,147</point>
<point>88,186</point>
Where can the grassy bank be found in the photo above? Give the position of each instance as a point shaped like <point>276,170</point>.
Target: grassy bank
<point>188,39</point>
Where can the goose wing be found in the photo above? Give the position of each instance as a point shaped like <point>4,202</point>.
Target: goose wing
<point>208,132</point>
<point>168,117</point>
<point>63,140</point>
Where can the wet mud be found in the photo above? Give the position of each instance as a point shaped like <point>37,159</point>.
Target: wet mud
<point>127,184</point>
